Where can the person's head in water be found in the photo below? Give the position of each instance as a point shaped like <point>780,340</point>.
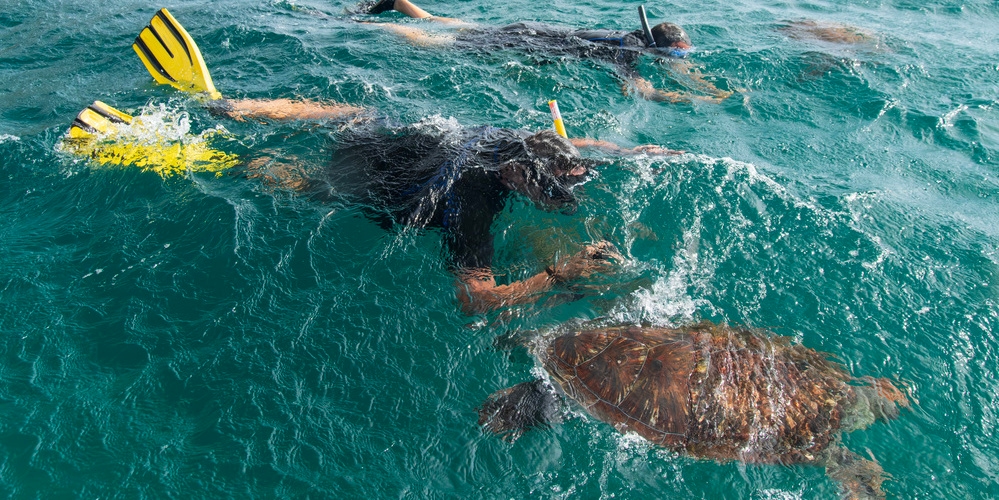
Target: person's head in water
<point>671,39</point>
<point>546,171</point>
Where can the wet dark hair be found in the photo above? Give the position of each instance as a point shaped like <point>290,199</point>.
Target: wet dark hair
<point>666,34</point>
<point>548,143</point>
<point>560,157</point>
<point>545,173</point>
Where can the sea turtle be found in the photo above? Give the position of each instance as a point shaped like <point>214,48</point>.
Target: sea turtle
<point>826,32</point>
<point>708,391</point>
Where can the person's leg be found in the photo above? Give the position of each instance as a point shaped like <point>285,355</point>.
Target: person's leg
<point>410,9</point>
<point>284,109</point>
<point>412,34</point>
<point>277,173</point>
<point>287,174</point>
<point>416,36</point>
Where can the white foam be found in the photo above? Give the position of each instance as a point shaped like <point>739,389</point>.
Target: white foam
<point>438,124</point>
<point>947,120</point>
<point>160,123</point>
<point>775,494</point>
<point>632,441</point>
<point>668,300</point>
<point>754,176</point>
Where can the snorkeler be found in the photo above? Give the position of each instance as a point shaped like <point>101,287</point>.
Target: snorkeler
<point>422,175</point>
<point>435,174</point>
<point>621,48</point>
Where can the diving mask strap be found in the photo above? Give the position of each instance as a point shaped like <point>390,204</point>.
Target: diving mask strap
<point>649,40</point>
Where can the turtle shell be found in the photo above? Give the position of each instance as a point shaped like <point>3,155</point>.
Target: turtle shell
<point>711,391</point>
<point>632,378</point>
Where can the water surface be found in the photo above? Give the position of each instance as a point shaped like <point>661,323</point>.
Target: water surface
<point>211,336</point>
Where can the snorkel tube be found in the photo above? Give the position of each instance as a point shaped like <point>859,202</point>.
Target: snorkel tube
<point>557,118</point>
<point>670,49</point>
<point>649,40</point>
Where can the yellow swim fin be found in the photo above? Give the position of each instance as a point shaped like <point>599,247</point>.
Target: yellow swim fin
<point>172,57</point>
<point>97,133</point>
<point>98,118</point>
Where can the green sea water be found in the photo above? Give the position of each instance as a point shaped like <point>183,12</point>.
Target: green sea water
<point>211,337</point>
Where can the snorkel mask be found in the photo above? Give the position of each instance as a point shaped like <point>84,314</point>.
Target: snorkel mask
<point>676,52</point>
<point>677,33</point>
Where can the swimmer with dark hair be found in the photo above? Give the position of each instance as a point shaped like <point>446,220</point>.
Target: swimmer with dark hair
<point>436,174</point>
<point>620,48</point>
<point>431,174</point>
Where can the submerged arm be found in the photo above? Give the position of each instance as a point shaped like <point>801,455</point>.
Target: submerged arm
<point>614,148</point>
<point>478,291</point>
<point>648,92</point>
<point>687,69</point>
<point>645,89</point>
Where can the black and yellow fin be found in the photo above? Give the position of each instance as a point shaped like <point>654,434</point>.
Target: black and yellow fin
<point>108,137</point>
<point>98,118</point>
<point>172,57</point>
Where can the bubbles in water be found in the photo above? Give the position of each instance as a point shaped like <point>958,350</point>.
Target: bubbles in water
<point>668,300</point>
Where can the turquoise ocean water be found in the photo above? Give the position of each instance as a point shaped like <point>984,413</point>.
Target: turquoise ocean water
<point>206,336</point>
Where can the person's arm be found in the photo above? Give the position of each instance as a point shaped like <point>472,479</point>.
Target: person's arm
<point>690,71</point>
<point>648,92</point>
<point>631,79</point>
<point>651,149</point>
<point>478,291</point>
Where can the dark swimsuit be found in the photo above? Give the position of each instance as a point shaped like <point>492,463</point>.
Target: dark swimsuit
<point>422,176</point>
<point>619,47</point>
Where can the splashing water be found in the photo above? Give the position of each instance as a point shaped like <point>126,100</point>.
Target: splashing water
<point>158,140</point>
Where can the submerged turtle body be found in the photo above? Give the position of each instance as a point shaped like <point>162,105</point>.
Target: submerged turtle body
<point>827,32</point>
<point>713,392</point>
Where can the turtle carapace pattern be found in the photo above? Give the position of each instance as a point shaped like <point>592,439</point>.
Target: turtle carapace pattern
<point>710,391</point>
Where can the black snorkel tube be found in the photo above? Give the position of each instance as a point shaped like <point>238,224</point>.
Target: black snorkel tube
<point>649,40</point>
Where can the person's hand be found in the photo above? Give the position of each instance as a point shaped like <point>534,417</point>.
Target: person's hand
<point>598,257</point>
<point>653,149</point>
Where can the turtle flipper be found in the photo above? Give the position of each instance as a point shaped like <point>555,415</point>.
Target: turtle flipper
<point>513,410</point>
<point>859,478</point>
<point>878,401</point>
<point>890,399</point>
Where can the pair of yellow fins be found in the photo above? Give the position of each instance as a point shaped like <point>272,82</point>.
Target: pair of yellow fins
<point>172,58</point>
